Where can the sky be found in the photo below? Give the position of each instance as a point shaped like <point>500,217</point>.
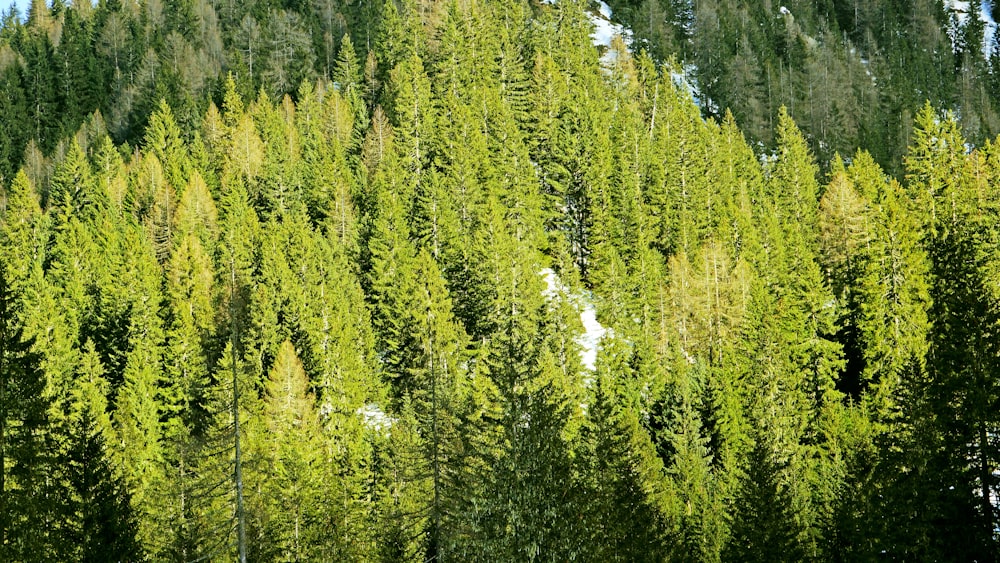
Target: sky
<point>22,5</point>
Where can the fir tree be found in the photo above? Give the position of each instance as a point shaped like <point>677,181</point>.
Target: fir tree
<point>25,463</point>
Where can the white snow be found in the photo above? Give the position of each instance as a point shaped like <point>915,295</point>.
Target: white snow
<point>986,16</point>
<point>375,418</point>
<point>604,9</point>
<point>961,9</point>
<point>605,30</point>
<point>683,79</point>
<point>593,331</point>
<point>553,286</point>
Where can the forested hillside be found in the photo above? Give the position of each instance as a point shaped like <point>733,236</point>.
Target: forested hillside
<point>443,281</point>
<point>852,72</point>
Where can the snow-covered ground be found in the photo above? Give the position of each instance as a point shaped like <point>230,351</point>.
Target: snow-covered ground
<point>375,418</point>
<point>604,29</point>
<point>593,331</point>
<point>986,16</point>
<point>961,9</point>
<point>684,79</point>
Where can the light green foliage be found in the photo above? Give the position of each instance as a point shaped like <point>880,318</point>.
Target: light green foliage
<point>196,212</point>
<point>289,485</point>
<point>351,318</point>
<point>412,115</point>
<point>72,192</point>
<point>621,475</point>
<point>26,456</point>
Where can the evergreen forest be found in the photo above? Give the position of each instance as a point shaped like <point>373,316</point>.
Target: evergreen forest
<point>451,280</point>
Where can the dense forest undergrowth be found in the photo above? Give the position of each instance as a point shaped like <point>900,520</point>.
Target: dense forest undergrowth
<point>318,282</point>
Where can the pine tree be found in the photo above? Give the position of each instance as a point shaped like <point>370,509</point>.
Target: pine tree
<point>622,475</point>
<point>795,178</point>
<point>98,515</point>
<point>764,524</point>
<point>290,484</point>
<point>25,463</point>
<point>338,350</point>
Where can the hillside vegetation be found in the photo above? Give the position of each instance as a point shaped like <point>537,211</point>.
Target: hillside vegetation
<point>443,281</point>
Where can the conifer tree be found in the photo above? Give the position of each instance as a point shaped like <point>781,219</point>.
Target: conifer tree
<point>795,177</point>
<point>764,524</point>
<point>23,230</point>
<point>622,476</point>
<point>525,493</point>
<point>163,139</point>
<point>412,112</point>
<point>291,479</point>
<point>196,212</point>
<point>697,529</point>
<point>397,35</point>
<point>347,72</point>
<point>99,519</point>
<point>73,192</point>
<point>189,290</point>
<point>25,463</point>
<point>956,392</point>
<point>402,494</point>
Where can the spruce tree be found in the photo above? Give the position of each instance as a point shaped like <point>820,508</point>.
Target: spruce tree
<point>291,481</point>
<point>620,472</point>
<point>26,465</point>
<point>950,406</point>
<point>764,524</point>
<point>99,519</point>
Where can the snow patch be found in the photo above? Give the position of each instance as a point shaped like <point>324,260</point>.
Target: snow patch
<point>605,30</point>
<point>604,9</point>
<point>990,32</point>
<point>593,331</point>
<point>683,79</point>
<point>590,340</point>
<point>553,285</point>
<point>961,9</point>
<point>375,418</point>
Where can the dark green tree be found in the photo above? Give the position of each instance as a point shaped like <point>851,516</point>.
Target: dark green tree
<point>764,525</point>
